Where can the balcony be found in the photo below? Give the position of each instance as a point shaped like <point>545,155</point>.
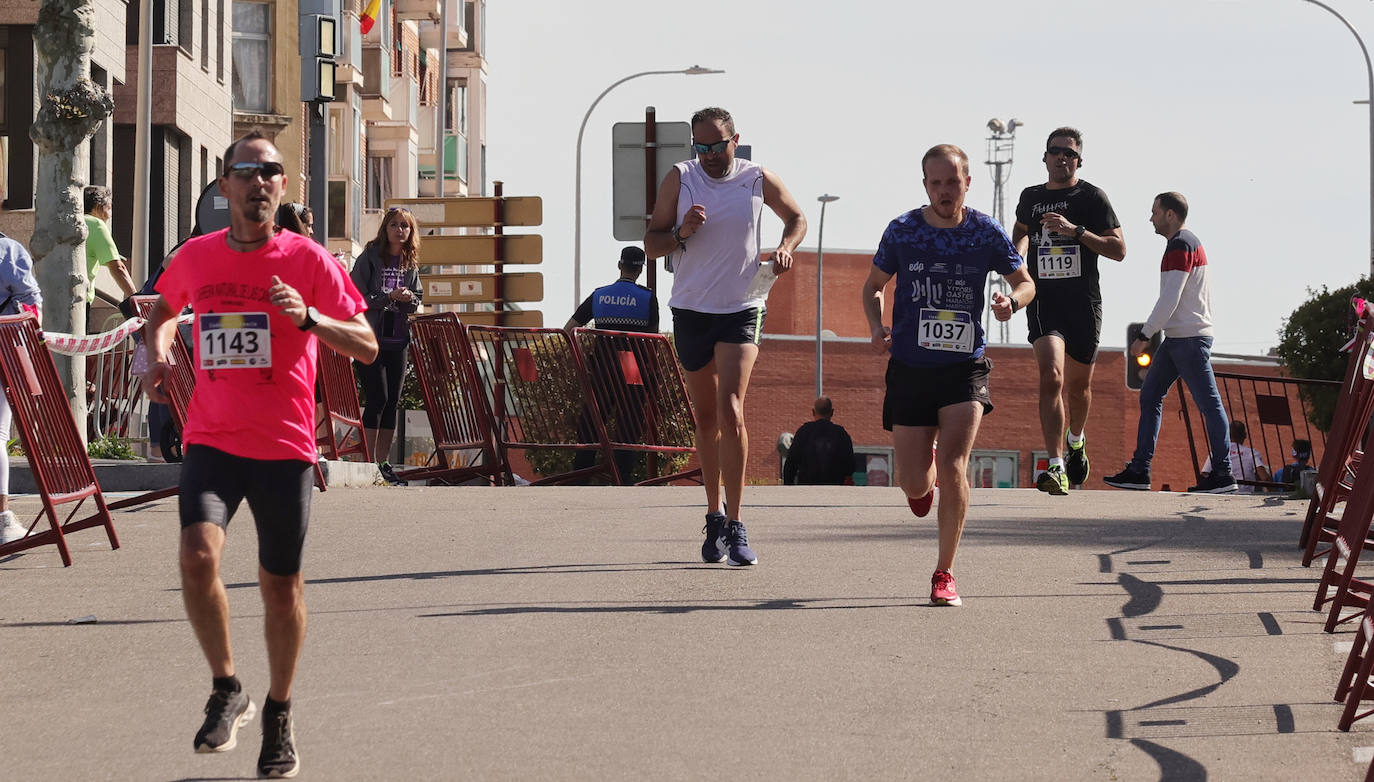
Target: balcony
<point>417,10</point>
<point>429,36</point>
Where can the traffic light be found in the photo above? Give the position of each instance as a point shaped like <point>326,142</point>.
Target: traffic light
<point>319,45</point>
<point>1137,366</point>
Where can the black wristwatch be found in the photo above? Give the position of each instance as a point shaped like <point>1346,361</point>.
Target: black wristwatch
<point>1141,337</point>
<point>679,238</point>
<point>1015,305</point>
<point>312,319</point>
<point>1079,231</point>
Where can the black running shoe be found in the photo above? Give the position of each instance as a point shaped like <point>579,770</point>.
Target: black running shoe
<point>225,713</point>
<point>278,759</point>
<point>1076,463</point>
<point>713,549</point>
<point>389,475</point>
<point>1129,479</point>
<point>1214,484</point>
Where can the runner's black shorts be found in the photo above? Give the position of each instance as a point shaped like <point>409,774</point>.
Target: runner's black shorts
<point>1079,325</point>
<point>696,333</point>
<point>916,394</point>
<point>213,483</point>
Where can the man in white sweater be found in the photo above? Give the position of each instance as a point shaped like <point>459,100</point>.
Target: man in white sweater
<point>1184,314</point>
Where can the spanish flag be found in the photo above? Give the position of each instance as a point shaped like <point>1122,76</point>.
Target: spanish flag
<point>370,14</point>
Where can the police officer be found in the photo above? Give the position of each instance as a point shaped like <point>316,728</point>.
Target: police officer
<point>624,305</point>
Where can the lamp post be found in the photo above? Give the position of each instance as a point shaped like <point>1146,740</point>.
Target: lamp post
<point>820,265</point>
<point>1000,145</point>
<point>695,70</point>
<point>1369,69</point>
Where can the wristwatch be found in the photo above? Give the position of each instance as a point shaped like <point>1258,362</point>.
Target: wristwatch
<point>678,237</point>
<point>312,319</point>
<point>1141,337</point>
<point>1015,305</point>
<point>1079,231</point>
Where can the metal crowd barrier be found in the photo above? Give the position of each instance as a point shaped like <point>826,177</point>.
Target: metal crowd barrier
<point>61,469</point>
<point>641,395</point>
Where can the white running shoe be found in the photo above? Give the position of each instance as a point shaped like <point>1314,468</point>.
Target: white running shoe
<point>10,528</point>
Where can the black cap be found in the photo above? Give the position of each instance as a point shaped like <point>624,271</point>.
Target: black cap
<point>632,256</point>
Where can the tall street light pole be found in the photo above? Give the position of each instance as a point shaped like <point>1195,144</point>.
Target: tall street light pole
<point>695,70</point>
<point>820,266</point>
<point>1369,69</point>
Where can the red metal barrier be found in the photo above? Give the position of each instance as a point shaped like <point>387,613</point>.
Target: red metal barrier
<point>639,390</point>
<point>1340,460</point>
<point>540,396</point>
<point>459,414</point>
<point>339,395</point>
<point>57,457</point>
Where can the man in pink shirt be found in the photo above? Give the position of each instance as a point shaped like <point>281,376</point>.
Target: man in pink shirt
<point>260,300</point>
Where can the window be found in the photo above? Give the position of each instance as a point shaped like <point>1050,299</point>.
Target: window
<point>219,40</point>
<point>205,35</point>
<point>993,469</point>
<point>252,55</point>
<point>337,217</point>
<point>378,181</point>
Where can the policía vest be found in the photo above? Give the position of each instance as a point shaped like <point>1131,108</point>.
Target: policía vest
<point>622,306</point>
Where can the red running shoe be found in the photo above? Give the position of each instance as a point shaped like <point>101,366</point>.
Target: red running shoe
<point>942,589</point>
<point>921,505</point>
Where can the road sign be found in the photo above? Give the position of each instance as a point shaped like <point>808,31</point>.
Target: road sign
<point>627,171</point>
<point>519,318</point>
<point>472,212</point>
<point>475,288</point>
<point>517,248</point>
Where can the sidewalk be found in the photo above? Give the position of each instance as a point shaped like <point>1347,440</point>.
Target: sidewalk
<point>573,633</point>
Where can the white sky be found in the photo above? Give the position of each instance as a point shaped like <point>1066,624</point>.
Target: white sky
<point>1244,106</point>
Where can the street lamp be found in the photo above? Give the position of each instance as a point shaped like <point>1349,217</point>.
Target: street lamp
<point>1369,69</point>
<point>695,70</point>
<point>1000,145</point>
<point>820,265</point>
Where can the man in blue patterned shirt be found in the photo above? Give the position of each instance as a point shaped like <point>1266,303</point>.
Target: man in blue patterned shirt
<point>937,376</point>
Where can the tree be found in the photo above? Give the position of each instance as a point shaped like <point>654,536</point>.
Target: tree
<point>1310,342</point>
<point>71,109</point>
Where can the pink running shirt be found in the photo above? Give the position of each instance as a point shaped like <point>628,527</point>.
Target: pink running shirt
<point>259,401</point>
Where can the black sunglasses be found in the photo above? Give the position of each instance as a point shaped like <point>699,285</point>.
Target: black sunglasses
<point>706,149</point>
<point>1068,152</point>
<point>249,170</point>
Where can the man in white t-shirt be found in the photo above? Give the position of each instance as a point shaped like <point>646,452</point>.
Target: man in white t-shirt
<point>1247,464</point>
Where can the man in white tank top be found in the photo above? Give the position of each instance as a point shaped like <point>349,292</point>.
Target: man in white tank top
<point>708,211</point>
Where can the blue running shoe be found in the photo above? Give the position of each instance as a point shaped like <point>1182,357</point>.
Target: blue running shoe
<point>713,549</point>
<point>738,542</point>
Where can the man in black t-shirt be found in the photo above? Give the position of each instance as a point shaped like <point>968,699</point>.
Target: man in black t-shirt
<point>1062,227</point>
<point>821,452</point>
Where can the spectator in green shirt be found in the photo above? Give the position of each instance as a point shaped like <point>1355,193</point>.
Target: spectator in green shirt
<point>100,245</point>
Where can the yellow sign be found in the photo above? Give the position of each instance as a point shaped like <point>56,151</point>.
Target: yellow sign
<point>437,212</point>
<point>522,319</point>
<point>458,250</point>
<point>474,288</point>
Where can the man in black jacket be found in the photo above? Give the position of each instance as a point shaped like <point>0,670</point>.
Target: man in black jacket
<point>821,451</point>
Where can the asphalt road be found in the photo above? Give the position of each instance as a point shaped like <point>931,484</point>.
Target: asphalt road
<point>573,633</point>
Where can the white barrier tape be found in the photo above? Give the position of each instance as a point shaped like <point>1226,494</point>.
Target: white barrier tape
<point>71,345</point>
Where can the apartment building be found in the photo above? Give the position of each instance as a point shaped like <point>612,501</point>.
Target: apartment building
<point>224,67</point>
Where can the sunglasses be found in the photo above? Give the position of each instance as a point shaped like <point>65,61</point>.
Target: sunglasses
<point>1067,152</point>
<point>706,149</point>
<point>398,209</point>
<point>250,170</point>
